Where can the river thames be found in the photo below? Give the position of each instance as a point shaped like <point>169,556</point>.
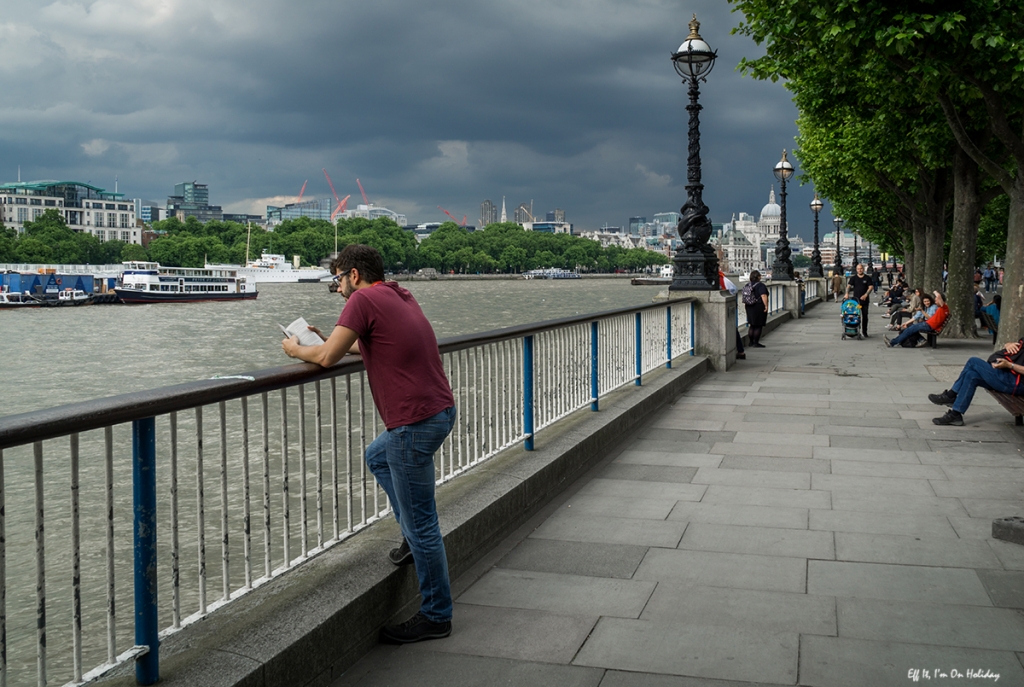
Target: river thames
<point>55,356</point>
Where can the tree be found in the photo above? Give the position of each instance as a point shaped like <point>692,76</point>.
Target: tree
<point>133,251</point>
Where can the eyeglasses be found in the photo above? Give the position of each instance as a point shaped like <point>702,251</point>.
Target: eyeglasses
<point>336,282</point>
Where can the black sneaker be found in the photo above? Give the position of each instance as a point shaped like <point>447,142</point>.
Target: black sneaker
<point>888,341</point>
<point>402,555</point>
<point>950,418</point>
<point>415,629</point>
<point>758,345</point>
<point>946,398</point>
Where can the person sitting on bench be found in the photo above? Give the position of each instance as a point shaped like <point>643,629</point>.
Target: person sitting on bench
<point>1001,372</point>
<point>926,308</point>
<point>912,309</point>
<point>992,310</point>
<point>932,325</point>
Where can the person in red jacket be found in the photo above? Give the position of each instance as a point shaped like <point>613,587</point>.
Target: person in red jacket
<point>930,326</point>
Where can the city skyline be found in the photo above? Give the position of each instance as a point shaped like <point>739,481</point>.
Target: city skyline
<point>254,99</point>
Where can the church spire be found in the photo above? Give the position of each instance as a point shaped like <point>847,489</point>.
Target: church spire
<point>504,217</point>
<point>771,196</point>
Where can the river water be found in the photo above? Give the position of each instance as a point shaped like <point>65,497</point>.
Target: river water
<point>54,356</point>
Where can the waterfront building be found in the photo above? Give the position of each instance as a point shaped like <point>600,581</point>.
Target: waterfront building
<point>107,216</point>
<point>548,227</point>
<point>192,199</point>
<point>488,213</point>
<point>149,211</point>
<point>243,218</point>
<point>556,215</point>
<point>314,209</point>
<point>738,251</point>
<point>372,211</point>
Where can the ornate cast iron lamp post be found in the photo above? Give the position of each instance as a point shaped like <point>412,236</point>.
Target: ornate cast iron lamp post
<point>855,260</point>
<point>838,267</point>
<point>782,268</point>
<point>696,262</point>
<point>870,261</point>
<point>816,270</point>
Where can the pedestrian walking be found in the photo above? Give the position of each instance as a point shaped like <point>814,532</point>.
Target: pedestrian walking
<point>837,285</point>
<point>888,277</point>
<point>989,275</point>
<point>384,323</point>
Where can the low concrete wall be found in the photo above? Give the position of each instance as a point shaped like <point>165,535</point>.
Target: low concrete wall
<point>308,626</point>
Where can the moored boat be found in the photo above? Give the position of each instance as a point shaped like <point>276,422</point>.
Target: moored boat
<point>275,268</point>
<point>551,273</point>
<point>10,300</point>
<point>149,282</point>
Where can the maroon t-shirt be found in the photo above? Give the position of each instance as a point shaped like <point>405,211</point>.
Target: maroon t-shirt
<point>400,354</point>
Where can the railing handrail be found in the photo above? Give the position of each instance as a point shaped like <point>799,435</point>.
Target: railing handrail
<point>58,421</point>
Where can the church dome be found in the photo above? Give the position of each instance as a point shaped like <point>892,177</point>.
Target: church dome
<point>772,209</point>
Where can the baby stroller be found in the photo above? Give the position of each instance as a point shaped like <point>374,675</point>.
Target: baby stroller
<point>850,310</point>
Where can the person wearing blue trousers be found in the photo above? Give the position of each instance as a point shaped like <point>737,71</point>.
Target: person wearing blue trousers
<point>1002,375</point>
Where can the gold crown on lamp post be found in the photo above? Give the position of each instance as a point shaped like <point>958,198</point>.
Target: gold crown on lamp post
<point>694,28</point>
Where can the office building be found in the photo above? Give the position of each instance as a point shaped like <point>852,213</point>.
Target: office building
<point>192,199</point>
<point>149,211</point>
<point>488,213</point>
<point>636,225</point>
<point>107,216</point>
<point>522,214</point>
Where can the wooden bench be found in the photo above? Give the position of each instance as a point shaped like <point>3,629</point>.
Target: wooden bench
<point>1014,404</point>
<point>932,338</point>
<point>989,323</point>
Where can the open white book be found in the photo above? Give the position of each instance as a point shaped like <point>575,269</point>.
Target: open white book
<point>299,328</point>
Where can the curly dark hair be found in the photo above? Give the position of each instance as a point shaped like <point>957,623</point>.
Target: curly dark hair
<point>366,259</point>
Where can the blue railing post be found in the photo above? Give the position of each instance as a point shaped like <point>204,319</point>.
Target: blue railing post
<point>639,348</point>
<point>147,666</point>
<point>693,334</point>
<point>528,392</point>
<point>594,390</point>
<point>668,337</point>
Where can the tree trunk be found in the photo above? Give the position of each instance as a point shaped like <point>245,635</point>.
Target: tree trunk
<point>936,239</point>
<point>1011,315</point>
<point>963,247</point>
<point>908,258</point>
<point>920,251</point>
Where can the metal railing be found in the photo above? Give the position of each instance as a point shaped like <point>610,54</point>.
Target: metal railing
<point>811,289</point>
<point>283,459</point>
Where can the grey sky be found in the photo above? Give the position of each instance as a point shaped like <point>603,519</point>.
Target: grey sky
<point>571,103</point>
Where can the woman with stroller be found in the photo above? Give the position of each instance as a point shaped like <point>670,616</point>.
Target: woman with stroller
<point>755,300</point>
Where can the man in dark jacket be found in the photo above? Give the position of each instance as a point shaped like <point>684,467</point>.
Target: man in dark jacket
<point>861,285</point>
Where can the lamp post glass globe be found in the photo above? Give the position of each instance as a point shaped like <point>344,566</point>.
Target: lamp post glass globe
<point>696,263</point>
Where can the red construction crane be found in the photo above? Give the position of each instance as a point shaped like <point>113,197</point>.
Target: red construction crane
<point>365,202</point>
<point>342,204</point>
<point>303,190</point>
<point>453,216</point>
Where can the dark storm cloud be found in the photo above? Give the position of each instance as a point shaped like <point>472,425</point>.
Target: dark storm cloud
<point>571,104</point>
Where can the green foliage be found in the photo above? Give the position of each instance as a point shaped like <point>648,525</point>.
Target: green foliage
<point>800,260</point>
<point>501,247</point>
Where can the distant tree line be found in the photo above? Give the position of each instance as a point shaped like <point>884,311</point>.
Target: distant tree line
<point>501,247</point>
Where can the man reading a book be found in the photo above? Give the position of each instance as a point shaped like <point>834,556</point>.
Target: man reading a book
<point>384,323</point>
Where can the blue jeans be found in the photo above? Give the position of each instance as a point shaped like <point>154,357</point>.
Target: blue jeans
<point>978,372</point>
<point>911,331</point>
<point>402,461</point>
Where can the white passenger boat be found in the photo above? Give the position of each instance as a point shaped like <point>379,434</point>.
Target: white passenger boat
<point>149,282</point>
<point>551,273</point>
<point>272,267</point>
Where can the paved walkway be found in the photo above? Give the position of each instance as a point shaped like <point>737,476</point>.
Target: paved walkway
<point>797,520</point>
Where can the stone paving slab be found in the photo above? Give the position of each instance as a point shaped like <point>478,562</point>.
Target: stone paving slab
<point>896,504</point>
<point>745,608</point>
<point>561,594</point>
<point>403,666</point>
<point>877,485</point>
<point>843,662</point>
<point>575,558</point>
<point>747,437</point>
<point>648,473</point>
<point>762,541</point>
<point>763,478</point>
<point>592,528</point>
<point>619,506</point>
<point>1004,587</point>
<point>763,449</point>
<point>863,454</point>
<point>695,460</point>
<point>741,571</point>
<point>697,650</point>
<point>764,496</point>
<point>934,526</point>
<point>909,550</point>
<point>634,489</point>
<point>975,627</point>
<point>776,463</point>
<point>520,634</point>
<point>733,514</point>
<point>620,678</point>
<point>990,509</point>
<point>896,582</point>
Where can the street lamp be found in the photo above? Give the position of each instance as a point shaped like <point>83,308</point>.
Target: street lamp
<point>855,260</point>
<point>782,268</point>
<point>838,267</point>
<point>870,261</point>
<point>696,262</point>
<point>816,270</point>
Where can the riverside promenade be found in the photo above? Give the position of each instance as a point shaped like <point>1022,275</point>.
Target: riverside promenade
<point>796,520</point>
